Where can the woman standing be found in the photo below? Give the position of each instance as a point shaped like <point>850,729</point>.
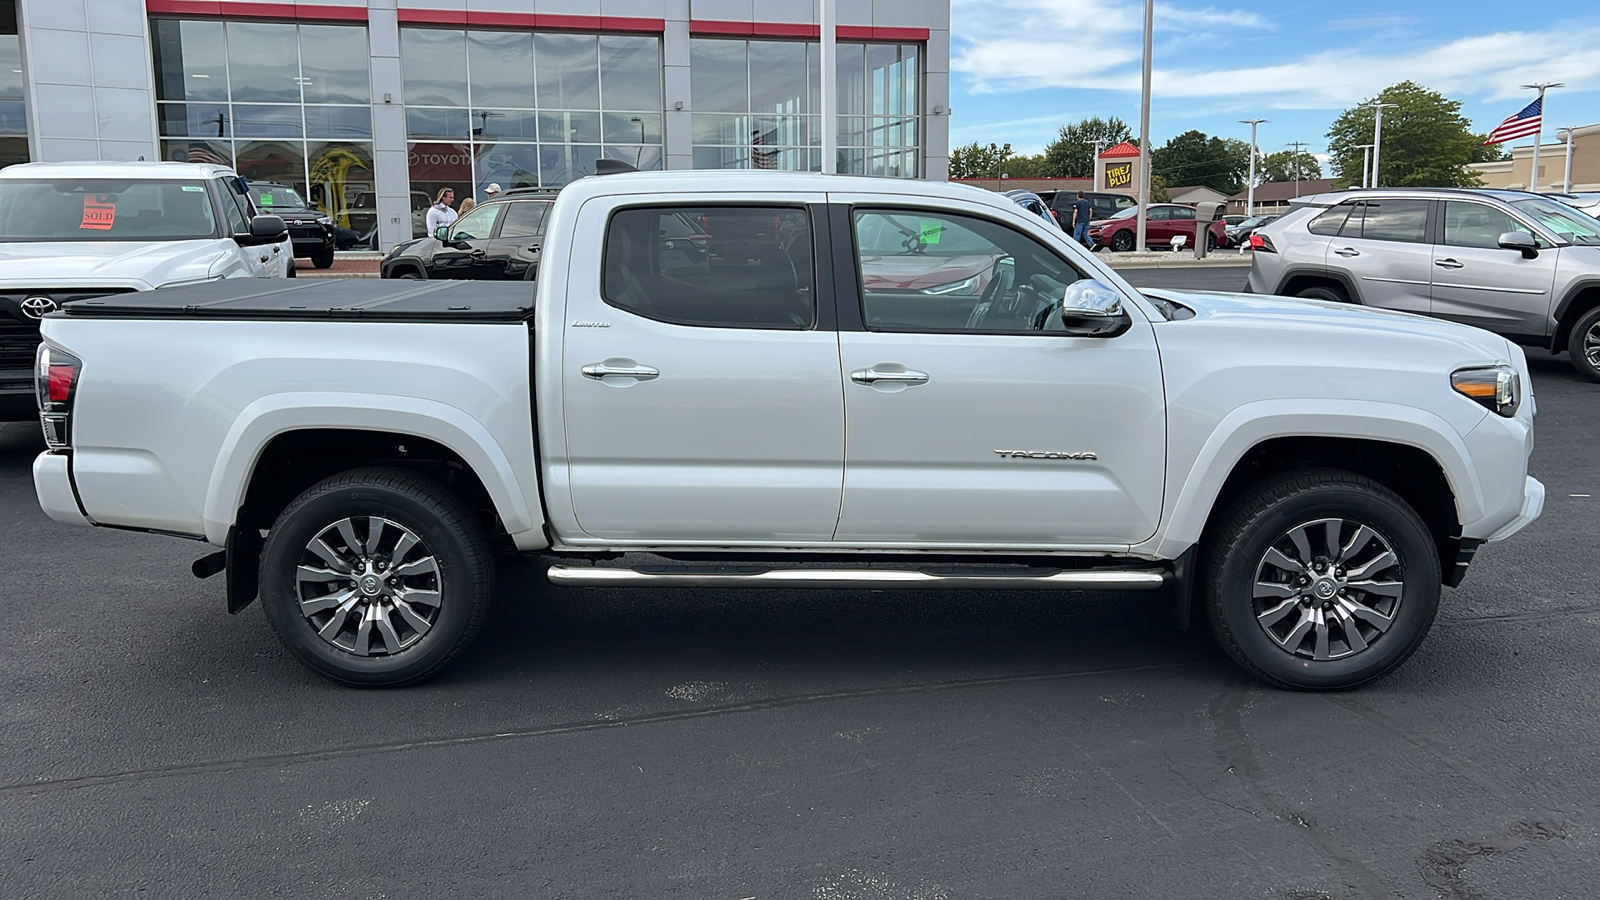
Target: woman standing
<point>466,207</point>
<point>440,215</point>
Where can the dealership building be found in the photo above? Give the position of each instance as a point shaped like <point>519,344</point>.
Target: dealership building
<point>369,107</point>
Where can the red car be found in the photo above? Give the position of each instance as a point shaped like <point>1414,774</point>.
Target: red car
<point>1165,221</point>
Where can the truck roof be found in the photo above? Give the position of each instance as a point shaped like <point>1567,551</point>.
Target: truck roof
<point>362,299</point>
<point>758,182</point>
<point>108,169</point>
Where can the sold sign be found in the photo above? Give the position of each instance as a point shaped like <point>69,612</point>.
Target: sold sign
<point>98,214</point>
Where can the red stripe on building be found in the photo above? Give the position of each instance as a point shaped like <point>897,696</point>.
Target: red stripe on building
<point>804,30</point>
<point>531,21</point>
<point>304,12</point>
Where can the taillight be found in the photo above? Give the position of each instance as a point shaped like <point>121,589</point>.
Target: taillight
<point>55,380</point>
<point>1262,244</point>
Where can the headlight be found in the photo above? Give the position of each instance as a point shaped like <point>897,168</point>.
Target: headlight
<point>324,220</point>
<point>1498,388</point>
<point>964,286</point>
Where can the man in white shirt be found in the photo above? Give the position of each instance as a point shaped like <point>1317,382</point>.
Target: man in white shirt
<point>441,214</point>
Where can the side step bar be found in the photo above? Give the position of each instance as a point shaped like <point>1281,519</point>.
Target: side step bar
<point>927,578</point>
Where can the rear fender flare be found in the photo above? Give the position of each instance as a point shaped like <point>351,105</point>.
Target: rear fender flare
<point>1344,280</point>
<point>1195,491</point>
<point>515,497</point>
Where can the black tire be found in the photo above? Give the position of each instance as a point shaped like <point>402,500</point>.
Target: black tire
<point>1331,293</point>
<point>323,259</point>
<point>1583,344</point>
<point>1263,517</point>
<point>1122,241</point>
<point>448,533</point>
<point>1211,242</point>
<point>410,275</point>
<point>293,269</point>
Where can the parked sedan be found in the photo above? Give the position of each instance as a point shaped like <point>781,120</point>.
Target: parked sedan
<point>497,240</point>
<point>1165,221</point>
<point>1031,202</point>
<point>1238,235</point>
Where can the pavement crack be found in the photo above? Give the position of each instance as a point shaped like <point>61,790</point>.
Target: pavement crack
<point>280,760</point>
<point>1444,864</point>
<point>1530,616</point>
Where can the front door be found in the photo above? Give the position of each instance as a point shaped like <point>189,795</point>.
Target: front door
<point>1477,282</point>
<point>1383,246</point>
<point>972,420</point>
<point>470,260</point>
<point>701,391</point>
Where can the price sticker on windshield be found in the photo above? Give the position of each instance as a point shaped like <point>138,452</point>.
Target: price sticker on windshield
<point>98,214</point>
<point>929,232</point>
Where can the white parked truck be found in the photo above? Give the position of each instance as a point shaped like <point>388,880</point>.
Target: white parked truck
<point>726,379</point>
<point>69,231</point>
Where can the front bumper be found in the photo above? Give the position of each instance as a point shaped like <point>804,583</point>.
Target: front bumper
<point>52,482</point>
<point>1532,506</point>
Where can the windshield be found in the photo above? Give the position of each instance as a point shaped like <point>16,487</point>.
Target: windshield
<point>1128,213</point>
<point>1565,221</point>
<point>80,209</point>
<point>273,196</point>
<point>1254,222</point>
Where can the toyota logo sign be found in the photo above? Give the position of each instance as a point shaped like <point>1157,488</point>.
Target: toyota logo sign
<point>36,307</point>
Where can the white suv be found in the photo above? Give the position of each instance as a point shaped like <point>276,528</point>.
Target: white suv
<point>1521,265</point>
<point>70,231</point>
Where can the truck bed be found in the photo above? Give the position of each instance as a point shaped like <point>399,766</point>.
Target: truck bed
<point>365,299</point>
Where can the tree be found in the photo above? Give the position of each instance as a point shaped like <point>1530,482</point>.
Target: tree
<point>1158,189</point>
<point>1071,154</point>
<point>1197,158</point>
<point>1426,140</point>
<point>975,160</point>
<point>1281,166</point>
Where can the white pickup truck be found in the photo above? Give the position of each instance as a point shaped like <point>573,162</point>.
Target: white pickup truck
<point>74,230</point>
<point>833,382</point>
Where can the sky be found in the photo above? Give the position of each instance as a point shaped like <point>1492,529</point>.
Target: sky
<point>1022,68</point>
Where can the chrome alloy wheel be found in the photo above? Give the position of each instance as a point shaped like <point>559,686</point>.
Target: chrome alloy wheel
<point>1591,345</point>
<point>1328,589</point>
<point>369,586</point>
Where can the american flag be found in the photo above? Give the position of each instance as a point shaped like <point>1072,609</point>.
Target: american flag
<point>1523,124</point>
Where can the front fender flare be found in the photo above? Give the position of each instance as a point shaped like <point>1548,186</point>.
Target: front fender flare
<point>515,499</point>
<point>1194,492</point>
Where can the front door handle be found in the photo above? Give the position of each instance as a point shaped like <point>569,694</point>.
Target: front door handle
<point>873,376</point>
<point>1448,264</point>
<point>1348,252</point>
<point>601,370</point>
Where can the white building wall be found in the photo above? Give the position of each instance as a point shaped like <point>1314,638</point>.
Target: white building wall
<point>90,85</point>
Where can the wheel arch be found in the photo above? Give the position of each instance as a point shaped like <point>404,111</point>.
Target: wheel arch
<point>1301,277</point>
<point>1579,299</point>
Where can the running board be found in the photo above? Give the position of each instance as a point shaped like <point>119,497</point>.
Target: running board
<point>927,578</point>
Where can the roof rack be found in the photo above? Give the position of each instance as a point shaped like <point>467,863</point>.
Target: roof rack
<point>524,191</point>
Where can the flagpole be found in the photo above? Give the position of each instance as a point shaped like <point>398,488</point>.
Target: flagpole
<point>1538,136</point>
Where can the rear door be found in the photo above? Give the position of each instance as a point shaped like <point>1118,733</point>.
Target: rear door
<point>514,252</point>
<point>1384,250</point>
<point>702,400</point>
<point>972,420</point>
<point>1476,282</point>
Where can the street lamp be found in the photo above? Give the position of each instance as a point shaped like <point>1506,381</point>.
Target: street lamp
<point>1000,161</point>
<point>1250,198</point>
<point>1538,136</point>
<point>1094,161</point>
<point>1366,161</point>
<point>1566,177</point>
<point>1378,106</point>
<point>1144,124</point>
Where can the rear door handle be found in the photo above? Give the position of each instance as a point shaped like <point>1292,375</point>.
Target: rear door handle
<point>1348,252</point>
<point>601,370</point>
<point>873,376</point>
<point>1448,264</point>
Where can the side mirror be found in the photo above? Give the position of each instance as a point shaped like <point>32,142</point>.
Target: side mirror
<point>442,234</point>
<point>1091,308</point>
<point>1520,240</point>
<point>264,230</point>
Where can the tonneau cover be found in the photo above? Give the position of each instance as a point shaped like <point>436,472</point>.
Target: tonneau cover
<point>367,299</point>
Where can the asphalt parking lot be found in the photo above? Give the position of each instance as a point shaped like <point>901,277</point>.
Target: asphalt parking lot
<point>705,744</point>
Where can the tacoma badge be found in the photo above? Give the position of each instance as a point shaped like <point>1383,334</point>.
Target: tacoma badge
<point>1043,454</point>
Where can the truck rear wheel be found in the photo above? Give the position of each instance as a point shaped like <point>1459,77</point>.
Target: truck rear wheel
<point>1321,580</point>
<point>377,577</point>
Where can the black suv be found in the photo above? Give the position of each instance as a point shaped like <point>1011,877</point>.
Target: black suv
<point>1103,205</point>
<point>497,239</point>
<point>310,229</point>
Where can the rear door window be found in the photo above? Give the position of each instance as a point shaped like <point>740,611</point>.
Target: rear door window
<point>1392,220</point>
<point>524,218</point>
<point>713,266</point>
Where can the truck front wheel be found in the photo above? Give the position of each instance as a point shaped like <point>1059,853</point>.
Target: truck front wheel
<point>377,577</point>
<point>1321,580</point>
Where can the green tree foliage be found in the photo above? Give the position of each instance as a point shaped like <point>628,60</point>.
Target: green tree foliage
<point>1071,154</point>
<point>1281,166</point>
<point>1426,140</point>
<point>1158,189</point>
<point>1196,158</point>
<point>972,161</point>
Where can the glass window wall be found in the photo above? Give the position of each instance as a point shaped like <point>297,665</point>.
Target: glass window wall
<point>13,112</point>
<point>522,109</point>
<point>757,106</point>
<point>277,101</point>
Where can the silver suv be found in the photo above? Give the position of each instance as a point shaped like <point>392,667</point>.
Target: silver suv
<point>1521,265</point>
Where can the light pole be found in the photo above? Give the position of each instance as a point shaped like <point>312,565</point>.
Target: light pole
<point>1000,162</point>
<point>1094,161</point>
<point>1250,196</point>
<point>1566,177</point>
<point>1144,125</point>
<point>1378,106</point>
<point>1366,161</point>
<point>1538,136</point>
<point>1296,147</point>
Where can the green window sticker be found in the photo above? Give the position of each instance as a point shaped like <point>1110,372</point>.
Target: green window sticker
<point>194,188</point>
<point>266,200</point>
<point>930,232</point>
